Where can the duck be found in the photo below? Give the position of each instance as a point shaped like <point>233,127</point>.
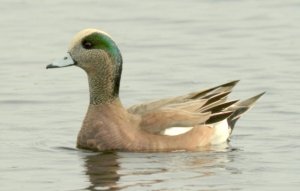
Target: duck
<point>187,122</point>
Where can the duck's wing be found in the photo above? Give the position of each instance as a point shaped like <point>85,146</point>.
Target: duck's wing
<point>157,122</point>
<point>204,97</point>
<point>183,118</point>
<point>184,111</point>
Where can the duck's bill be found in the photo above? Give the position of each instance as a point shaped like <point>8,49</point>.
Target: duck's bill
<point>64,62</point>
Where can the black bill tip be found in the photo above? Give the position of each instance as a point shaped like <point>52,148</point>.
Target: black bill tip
<point>51,66</point>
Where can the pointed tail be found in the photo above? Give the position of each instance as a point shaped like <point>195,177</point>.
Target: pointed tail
<point>239,108</point>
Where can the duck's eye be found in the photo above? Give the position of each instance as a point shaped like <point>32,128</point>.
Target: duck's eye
<point>87,45</point>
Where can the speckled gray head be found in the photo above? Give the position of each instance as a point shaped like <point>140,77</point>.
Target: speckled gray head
<point>86,46</point>
<point>95,52</point>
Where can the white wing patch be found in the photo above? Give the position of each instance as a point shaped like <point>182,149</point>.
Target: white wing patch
<point>176,131</point>
<point>222,132</point>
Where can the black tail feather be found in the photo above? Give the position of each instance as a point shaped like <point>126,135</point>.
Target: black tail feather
<point>235,116</point>
<point>240,108</point>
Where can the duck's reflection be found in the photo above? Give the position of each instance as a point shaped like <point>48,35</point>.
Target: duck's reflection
<point>102,171</point>
<point>148,169</point>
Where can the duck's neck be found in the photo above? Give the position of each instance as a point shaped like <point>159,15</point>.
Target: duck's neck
<point>104,85</point>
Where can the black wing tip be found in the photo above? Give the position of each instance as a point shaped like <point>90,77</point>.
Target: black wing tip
<point>231,83</point>
<point>215,97</point>
<point>204,92</point>
<point>217,117</point>
<point>220,107</point>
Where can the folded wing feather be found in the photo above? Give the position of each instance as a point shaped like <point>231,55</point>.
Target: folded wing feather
<point>182,111</point>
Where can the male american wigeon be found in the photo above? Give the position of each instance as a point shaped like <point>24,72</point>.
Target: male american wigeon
<point>185,122</point>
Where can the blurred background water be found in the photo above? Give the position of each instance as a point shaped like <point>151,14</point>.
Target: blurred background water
<point>169,47</point>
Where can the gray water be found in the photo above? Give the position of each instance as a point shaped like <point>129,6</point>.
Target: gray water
<point>169,48</point>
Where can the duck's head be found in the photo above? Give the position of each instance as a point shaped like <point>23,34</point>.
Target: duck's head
<point>95,52</point>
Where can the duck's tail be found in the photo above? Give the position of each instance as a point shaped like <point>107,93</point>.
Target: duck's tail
<point>226,117</point>
<point>239,108</point>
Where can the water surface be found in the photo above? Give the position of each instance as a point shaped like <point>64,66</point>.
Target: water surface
<point>169,48</point>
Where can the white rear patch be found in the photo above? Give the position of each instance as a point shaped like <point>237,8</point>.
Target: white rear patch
<point>176,131</point>
<point>222,132</point>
